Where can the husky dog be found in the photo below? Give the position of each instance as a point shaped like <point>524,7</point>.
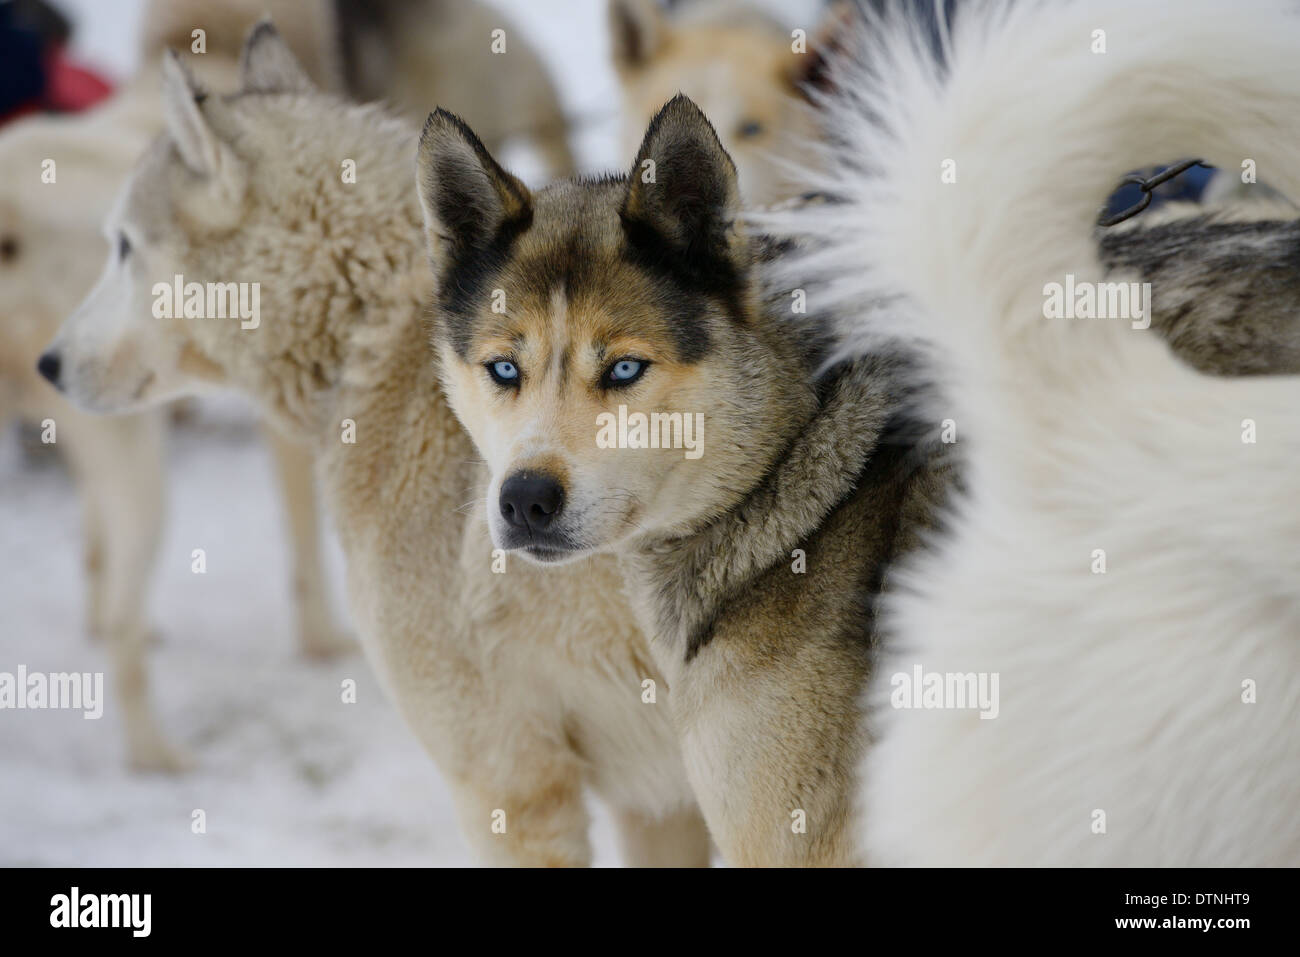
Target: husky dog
<point>756,564</point>
<point>461,53</point>
<point>50,252</point>
<point>1125,556</point>
<point>525,687</point>
<point>636,296</point>
<point>747,72</point>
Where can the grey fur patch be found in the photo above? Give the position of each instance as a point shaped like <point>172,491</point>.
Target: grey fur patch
<point>696,578</point>
<point>1225,294</point>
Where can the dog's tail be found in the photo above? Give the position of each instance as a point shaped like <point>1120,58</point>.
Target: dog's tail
<point>973,166</point>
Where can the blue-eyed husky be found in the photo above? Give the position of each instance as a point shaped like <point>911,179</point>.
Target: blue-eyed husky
<point>758,565</point>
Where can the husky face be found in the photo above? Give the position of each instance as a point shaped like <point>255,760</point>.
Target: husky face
<point>191,234</point>
<point>742,70</point>
<point>598,338</point>
<point>117,351</point>
<point>110,356</point>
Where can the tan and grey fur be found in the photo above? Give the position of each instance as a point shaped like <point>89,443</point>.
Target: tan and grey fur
<point>770,613</point>
<point>51,249</point>
<point>525,687</point>
<point>1225,282</point>
<point>766,662</point>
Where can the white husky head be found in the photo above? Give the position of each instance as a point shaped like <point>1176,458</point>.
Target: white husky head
<point>182,206</point>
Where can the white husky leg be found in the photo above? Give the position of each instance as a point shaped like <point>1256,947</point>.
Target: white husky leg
<point>119,462</point>
<point>318,634</point>
<point>92,559</point>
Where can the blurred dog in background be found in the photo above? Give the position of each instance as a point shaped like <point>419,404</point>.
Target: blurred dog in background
<point>751,75</point>
<point>51,249</point>
<point>460,54</point>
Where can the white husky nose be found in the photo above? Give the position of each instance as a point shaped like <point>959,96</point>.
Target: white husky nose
<point>48,365</point>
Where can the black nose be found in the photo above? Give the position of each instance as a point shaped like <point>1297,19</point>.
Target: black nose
<point>48,366</point>
<point>531,501</point>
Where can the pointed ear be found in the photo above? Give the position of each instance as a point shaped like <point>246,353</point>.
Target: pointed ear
<point>183,99</point>
<point>468,199</point>
<point>683,187</point>
<point>636,31</point>
<point>268,65</point>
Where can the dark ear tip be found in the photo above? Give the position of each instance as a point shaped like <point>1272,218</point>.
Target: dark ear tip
<point>682,114</point>
<point>682,104</point>
<point>680,111</point>
<point>263,29</point>
<point>444,126</point>
<point>441,120</point>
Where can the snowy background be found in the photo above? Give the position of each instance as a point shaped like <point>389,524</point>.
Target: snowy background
<point>286,773</point>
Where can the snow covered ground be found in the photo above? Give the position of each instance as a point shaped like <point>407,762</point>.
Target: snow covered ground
<point>287,774</point>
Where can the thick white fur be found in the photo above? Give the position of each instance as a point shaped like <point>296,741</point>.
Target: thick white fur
<point>1120,692</point>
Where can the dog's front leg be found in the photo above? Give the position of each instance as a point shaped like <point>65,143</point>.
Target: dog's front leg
<point>770,738</point>
<point>119,462</point>
<point>532,819</point>
<point>319,636</point>
<point>493,728</point>
<point>518,785</point>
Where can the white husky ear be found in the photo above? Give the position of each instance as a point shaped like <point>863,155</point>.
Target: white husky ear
<point>269,66</point>
<point>183,112</point>
<point>636,31</point>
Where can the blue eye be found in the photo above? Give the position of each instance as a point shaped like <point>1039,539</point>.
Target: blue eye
<point>504,371</point>
<point>625,371</point>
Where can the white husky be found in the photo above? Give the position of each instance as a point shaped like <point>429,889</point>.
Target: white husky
<point>1126,555</point>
